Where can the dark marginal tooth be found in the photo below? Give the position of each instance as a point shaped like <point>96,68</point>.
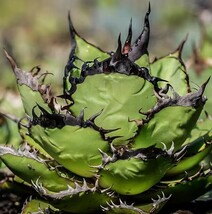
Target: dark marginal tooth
<point>180,48</point>
<point>44,75</point>
<point>11,61</point>
<point>33,112</point>
<point>137,121</point>
<point>208,116</point>
<point>127,45</point>
<point>105,66</point>
<point>71,120</point>
<point>140,46</point>
<point>70,64</point>
<point>96,63</point>
<point>52,103</point>
<point>149,10</point>
<point>118,54</point>
<point>165,89</point>
<point>143,113</point>
<point>155,80</point>
<point>92,118</point>
<point>158,90</point>
<point>35,70</point>
<point>73,85</point>
<point>144,72</point>
<point>80,118</point>
<point>194,99</point>
<point>72,57</point>
<point>72,36</point>
<point>202,88</point>
<point>35,118</point>
<point>44,112</point>
<point>65,96</point>
<point>176,96</point>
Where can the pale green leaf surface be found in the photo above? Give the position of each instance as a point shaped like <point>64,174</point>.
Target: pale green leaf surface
<point>171,124</point>
<point>35,206</point>
<point>119,96</point>
<point>133,174</point>
<point>30,169</point>
<point>170,68</point>
<point>74,147</point>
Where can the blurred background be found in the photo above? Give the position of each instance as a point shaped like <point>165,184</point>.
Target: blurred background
<point>36,32</point>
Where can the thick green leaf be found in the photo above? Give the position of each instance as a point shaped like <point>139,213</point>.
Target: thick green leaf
<point>84,202</point>
<point>171,124</point>
<point>143,61</point>
<point>36,206</point>
<point>197,80</point>
<point>192,189</point>
<point>170,68</point>
<point>26,138</point>
<point>87,52</point>
<point>73,147</point>
<point>31,87</point>
<point>80,199</point>
<point>188,163</point>
<point>196,148</point>
<point>201,132</point>
<point>30,99</point>
<point>152,207</point>
<point>31,168</point>
<point>133,176</point>
<point>120,97</point>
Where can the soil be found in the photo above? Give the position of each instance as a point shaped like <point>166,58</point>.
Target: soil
<point>10,203</point>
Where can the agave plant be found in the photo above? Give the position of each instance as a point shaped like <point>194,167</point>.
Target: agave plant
<point>123,136</point>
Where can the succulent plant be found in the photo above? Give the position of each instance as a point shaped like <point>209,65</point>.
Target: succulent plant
<point>123,136</point>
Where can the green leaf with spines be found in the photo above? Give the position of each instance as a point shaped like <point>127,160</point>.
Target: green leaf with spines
<point>37,206</point>
<point>87,52</point>
<point>82,203</point>
<point>172,69</point>
<point>120,97</point>
<point>74,147</point>
<point>31,168</point>
<point>31,87</point>
<point>169,119</point>
<point>80,199</point>
<point>196,81</point>
<point>152,207</point>
<point>30,99</point>
<point>202,132</point>
<point>187,163</point>
<point>134,174</point>
<point>29,140</point>
<point>191,188</point>
<point>197,149</point>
